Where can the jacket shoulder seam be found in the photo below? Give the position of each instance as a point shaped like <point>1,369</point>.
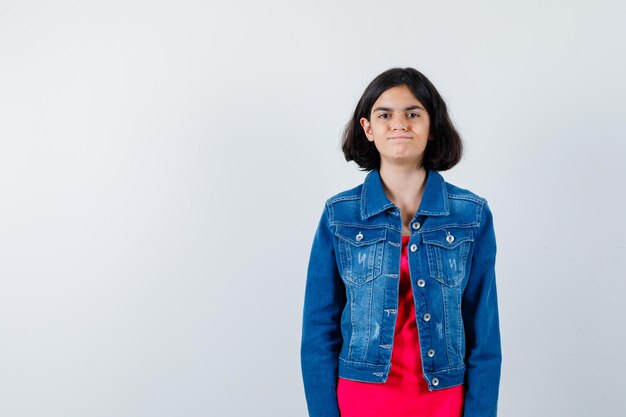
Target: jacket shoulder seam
<point>470,197</point>
<point>336,199</point>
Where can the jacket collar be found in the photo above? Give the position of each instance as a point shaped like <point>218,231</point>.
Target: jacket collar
<point>434,201</point>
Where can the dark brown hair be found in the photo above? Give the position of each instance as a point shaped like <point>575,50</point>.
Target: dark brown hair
<point>441,153</point>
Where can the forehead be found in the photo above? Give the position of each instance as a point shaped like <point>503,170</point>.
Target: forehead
<point>397,98</point>
<point>399,95</point>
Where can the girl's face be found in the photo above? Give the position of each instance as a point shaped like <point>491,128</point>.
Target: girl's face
<point>399,126</point>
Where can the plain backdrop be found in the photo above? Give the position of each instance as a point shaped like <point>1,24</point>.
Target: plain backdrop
<point>163,166</point>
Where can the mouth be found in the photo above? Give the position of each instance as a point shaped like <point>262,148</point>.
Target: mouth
<point>399,138</point>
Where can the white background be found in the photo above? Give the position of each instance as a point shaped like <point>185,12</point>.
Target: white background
<point>163,166</point>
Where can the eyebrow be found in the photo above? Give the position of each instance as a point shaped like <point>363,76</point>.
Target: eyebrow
<point>390,109</point>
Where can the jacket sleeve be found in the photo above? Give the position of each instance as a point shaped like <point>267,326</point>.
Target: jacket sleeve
<point>324,301</point>
<point>482,331</point>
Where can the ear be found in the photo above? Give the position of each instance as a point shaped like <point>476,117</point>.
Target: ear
<point>367,128</point>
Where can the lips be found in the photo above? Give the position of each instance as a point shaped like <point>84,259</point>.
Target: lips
<point>399,137</point>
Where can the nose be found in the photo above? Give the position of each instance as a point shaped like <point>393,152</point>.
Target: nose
<point>398,123</point>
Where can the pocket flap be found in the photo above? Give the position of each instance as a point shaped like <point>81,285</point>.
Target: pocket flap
<point>448,237</point>
<point>358,236</point>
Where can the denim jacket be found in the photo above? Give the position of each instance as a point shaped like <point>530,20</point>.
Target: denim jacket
<point>351,294</point>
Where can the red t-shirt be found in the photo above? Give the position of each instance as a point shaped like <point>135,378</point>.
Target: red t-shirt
<point>405,394</point>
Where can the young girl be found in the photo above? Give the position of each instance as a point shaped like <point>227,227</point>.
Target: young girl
<point>400,311</point>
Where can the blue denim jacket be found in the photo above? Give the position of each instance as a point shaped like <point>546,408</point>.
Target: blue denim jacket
<point>351,295</point>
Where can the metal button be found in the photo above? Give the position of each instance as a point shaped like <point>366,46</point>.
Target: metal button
<point>450,238</point>
<point>426,317</point>
<point>359,237</point>
<point>416,225</point>
<point>435,381</point>
<point>413,247</point>
<point>421,282</point>
<point>431,353</point>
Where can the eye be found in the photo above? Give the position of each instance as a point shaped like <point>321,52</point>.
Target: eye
<point>413,115</point>
<point>380,116</point>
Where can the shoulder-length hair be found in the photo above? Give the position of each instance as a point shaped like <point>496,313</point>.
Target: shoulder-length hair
<point>442,152</point>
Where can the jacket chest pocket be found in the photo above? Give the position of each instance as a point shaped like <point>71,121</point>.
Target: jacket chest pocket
<point>447,251</point>
<point>361,252</point>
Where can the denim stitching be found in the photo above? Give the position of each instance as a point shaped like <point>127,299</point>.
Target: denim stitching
<point>353,332</point>
<point>331,213</point>
<point>368,321</point>
<point>438,263</point>
<point>348,257</point>
<point>457,225</point>
<point>363,226</point>
<point>342,260</point>
<point>379,354</point>
<point>446,317</point>
<point>479,212</point>
<point>385,300</point>
<point>460,326</point>
<point>473,199</point>
<point>334,200</point>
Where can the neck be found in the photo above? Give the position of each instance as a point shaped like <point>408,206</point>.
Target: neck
<point>404,185</point>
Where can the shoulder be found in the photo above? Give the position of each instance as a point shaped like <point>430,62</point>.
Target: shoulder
<point>463,197</point>
<point>459,193</point>
<point>345,201</point>
<point>353,193</point>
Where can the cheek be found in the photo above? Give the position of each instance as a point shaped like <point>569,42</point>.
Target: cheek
<point>422,126</point>
<point>378,130</point>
